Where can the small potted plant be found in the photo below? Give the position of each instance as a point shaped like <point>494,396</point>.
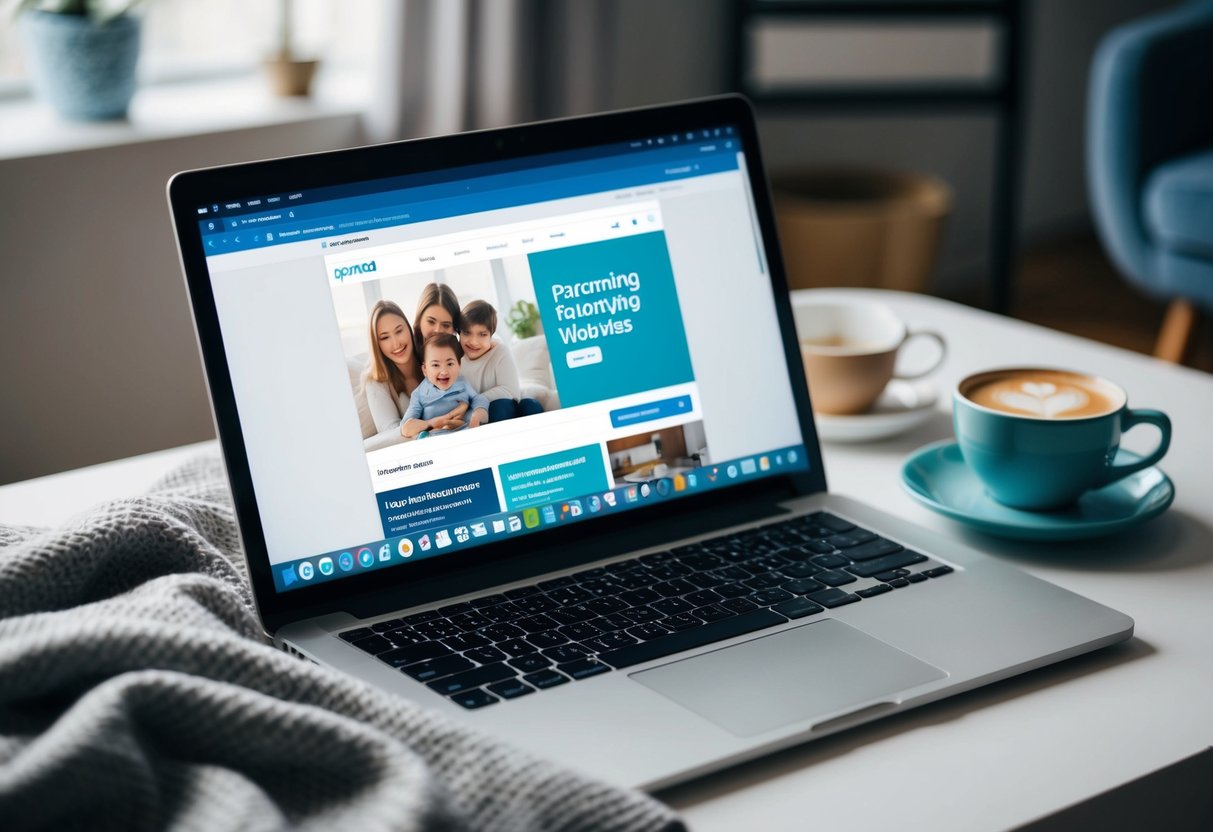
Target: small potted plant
<point>81,54</point>
<point>523,320</point>
<point>289,75</point>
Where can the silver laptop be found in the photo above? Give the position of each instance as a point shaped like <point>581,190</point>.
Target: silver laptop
<point>517,429</point>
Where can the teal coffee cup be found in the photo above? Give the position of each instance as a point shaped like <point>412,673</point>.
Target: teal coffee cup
<point>1039,438</point>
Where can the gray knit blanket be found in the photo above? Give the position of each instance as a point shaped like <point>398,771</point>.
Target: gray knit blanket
<point>138,692</point>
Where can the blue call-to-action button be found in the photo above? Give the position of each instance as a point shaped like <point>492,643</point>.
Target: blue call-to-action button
<point>625,416</point>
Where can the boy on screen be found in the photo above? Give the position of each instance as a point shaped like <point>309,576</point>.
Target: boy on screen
<point>442,391</point>
<point>488,364</point>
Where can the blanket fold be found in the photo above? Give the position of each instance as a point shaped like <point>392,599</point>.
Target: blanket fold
<point>137,691</point>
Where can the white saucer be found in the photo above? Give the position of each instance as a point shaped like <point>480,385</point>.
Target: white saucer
<point>903,405</point>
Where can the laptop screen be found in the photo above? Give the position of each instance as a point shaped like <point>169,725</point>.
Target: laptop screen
<point>426,364</point>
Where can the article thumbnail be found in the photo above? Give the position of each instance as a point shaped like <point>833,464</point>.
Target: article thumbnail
<point>652,455</point>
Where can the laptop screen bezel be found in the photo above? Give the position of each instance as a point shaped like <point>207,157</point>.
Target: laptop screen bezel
<point>498,562</point>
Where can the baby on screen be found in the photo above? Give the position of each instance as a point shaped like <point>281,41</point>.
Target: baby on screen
<point>439,402</point>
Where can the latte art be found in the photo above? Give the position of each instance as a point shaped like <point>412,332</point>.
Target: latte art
<point>1042,395</point>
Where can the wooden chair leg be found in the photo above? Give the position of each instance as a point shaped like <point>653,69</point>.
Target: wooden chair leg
<point>1178,327</point>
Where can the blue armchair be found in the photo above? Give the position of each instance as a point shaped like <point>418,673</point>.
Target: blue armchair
<point>1150,161</point>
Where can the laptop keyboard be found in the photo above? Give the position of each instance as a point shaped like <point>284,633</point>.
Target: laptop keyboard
<point>536,637</point>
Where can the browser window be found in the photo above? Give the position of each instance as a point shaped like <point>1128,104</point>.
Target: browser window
<point>422,369</point>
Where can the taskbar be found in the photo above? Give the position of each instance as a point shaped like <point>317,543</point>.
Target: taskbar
<point>437,540</point>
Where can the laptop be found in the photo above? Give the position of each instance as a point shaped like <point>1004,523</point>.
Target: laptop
<point>634,566</point>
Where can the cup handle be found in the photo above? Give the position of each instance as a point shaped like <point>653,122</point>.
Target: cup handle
<point>943,351</point>
<point>1130,419</point>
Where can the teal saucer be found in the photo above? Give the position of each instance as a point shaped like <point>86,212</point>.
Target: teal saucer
<point>937,477</point>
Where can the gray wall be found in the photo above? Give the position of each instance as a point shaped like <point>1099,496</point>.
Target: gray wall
<point>99,353</point>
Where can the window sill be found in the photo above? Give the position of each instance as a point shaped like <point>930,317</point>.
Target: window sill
<point>29,128</point>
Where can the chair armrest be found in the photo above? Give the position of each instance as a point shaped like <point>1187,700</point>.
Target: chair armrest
<point>1148,101</point>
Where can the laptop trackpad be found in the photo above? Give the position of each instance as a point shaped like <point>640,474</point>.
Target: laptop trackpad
<point>805,673</point>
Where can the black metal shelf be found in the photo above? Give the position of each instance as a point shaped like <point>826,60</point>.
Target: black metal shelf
<point>1000,98</point>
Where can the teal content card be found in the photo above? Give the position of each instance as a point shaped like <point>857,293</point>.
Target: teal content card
<point>553,477</point>
<point>611,318</point>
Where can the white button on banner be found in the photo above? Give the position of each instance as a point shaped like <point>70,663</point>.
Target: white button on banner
<point>583,358</point>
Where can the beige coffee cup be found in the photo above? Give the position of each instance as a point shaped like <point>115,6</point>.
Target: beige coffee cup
<point>850,353</point>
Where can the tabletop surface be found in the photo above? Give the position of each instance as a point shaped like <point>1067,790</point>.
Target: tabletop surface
<point>1002,755</point>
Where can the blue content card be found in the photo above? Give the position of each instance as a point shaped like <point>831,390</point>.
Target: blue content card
<point>450,499</point>
<point>611,318</point>
<point>553,477</point>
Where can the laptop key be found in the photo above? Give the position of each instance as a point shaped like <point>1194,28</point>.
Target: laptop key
<point>767,580</point>
<point>688,639</point>
<point>837,524</point>
<point>733,591</point>
<point>579,632</point>
<point>916,578</point>
<point>647,632</point>
<point>535,604</point>
<point>833,598</point>
<point>546,679</point>
<point>502,613</point>
<point>938,571</point>
<point>384,626</point>
<point>703,598</point>
<point>739,605</point>
<point>675,587</point>
<point>517,647</point>
<point>531,662</point>
<point>898,583</point>
<point>609,641</point>
<point>891,574</point>
<point>421,617</point>
<point>800,570</point>
<point>521,592</point>
<point>605,606</point>
<point>705,580</point>
<point>437,668</point>
<point>549,638</point>
<point>573,614</point>
<point>803,586</point>
<point>451,610</point>
<point>854,538</point>
<point>488,601</point>
<point>641,615</point>
<point>354,635</point>
<point>415,653</point>
<point>612,621</point>
<point>872,591</point>
<point>467,641</point>
<point>875,567</point>
<point>832,578</point>
<point>584,668</point>
<point>556,583</point>
<point>511,688</point>
<point>770,596</point>
<point>873,549</point>
<point>536,623</point>
<point>374,645</point>
<point>474,678</point>
<point>798,608</point>
<point>566,653</point>
<point>502,632</point>
<point>681,621</point>
<point>485,655</point>
<point>711,612</point>
<point>474,699</point>
<point>637,597</point>
<point>672,606</point>
<point>831,561</point>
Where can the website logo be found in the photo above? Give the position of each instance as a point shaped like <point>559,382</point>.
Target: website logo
<point>326,566</point>
<point>346,561</point>
<point>342,272</point>
<point>306,570</point>
<point>405,547</point>
<point>366,557</point>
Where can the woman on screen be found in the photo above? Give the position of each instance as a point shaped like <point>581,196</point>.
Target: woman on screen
<point>437,311</point>
<point>394,371</point>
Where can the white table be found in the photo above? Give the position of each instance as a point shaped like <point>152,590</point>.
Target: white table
<point>1003,755</point>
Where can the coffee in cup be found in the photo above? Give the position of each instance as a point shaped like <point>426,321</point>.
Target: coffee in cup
<point>1038,438</point>
<point>850,353</point>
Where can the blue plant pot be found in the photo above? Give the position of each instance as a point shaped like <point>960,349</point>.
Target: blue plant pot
<point>84,70</point>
